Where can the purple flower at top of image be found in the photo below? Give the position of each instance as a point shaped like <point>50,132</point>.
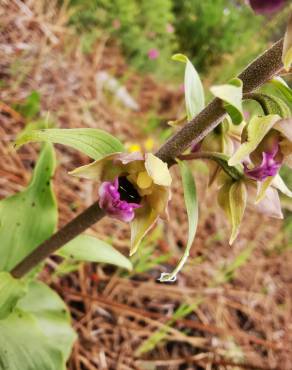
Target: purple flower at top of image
<point>266,6</point>
<point>268,167</point>
<point>153,53</point>
<point>112,202</point>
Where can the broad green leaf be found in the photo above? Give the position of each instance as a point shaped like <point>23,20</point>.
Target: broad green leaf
<point>91,249</point>
<point>283,87</point>
<point>191,202</point>
<point>257,128</point>
<point>271,104</point>
<point>91,141</point>
<point>52,316</point>
<point>194,92</point>
<point>11,290</point>
<point>287,46</point>
<point>231,94</point>
<point>29,217</point>
<point>23,345</point>
<point>232,198</point>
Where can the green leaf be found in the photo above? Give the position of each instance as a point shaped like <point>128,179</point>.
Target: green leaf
<point>31,107</point>
<point>52,316</point>
<point>257,128</point>
<point>93,142</point>
<point>11,290</point>
<point>283,87</point>
<point>232,198</point>
<point>91,249</point>
<point>194,92</point>
<point>191,202</point>
<point>287,46</point>
<point>231,94</point>
<point>29,217</point>
<point>24,346</point>
<point>271,104</point>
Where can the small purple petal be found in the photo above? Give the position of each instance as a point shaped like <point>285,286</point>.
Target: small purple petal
<point>153,54</point>
<point>268,167</point>
<point>110,201</point>
<point>266,6</point>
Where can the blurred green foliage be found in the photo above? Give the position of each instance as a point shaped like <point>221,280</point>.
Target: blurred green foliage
<point>204,30</point>
<point>139,26</point>
<point>207,29</point>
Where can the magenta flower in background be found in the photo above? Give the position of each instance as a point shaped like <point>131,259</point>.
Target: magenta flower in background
<point>266,6</point>
<point>153,53</point>
<point>116,202</point>
<point>268,167</point>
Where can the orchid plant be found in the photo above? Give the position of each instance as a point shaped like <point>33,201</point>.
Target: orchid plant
<point>247,155</point>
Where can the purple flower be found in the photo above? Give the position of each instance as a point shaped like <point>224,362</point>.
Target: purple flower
<point>266,6</point>
<point>153,54</point>
<point>116,201</point>
<point>268,167</point>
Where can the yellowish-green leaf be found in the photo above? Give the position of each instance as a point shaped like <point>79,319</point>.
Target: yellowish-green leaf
<point>231,94</point>
<point>194,92</point>
<point>88,248</point>
<point>232,198</point>
<point>145,217</point>
<point>11,290</point>
<point>287,46</point>
<point>263,187</point>
<point>191,202</point>
<point>91,141</point>
<point>257,128</point>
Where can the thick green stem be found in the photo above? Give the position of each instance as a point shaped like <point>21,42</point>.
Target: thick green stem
<point>257,73</point>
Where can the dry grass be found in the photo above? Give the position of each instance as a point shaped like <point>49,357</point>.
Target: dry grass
<point>242,317</point>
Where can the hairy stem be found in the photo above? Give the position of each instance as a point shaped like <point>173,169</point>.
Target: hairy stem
<point>253,76</point>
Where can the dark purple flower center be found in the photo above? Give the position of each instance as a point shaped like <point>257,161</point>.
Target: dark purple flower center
<point>127,191</point>
<point>268,167</point>
<point>119,199</point>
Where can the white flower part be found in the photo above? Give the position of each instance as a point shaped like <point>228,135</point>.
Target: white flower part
<point>157,170</point>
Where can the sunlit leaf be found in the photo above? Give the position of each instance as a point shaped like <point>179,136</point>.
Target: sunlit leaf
<point>91,249</point>
<point>191,202</point>
<point>257,128</point>
<point>29,217</point>
<point>287,46</point>
<point>11,290</point>
<point>231,94</point>
<point>51,314</point>
<point>93,142</point>
<point>194,92</point>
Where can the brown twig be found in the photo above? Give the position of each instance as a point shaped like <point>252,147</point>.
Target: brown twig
<point>254,75</point>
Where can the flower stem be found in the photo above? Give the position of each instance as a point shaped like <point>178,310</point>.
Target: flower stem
<point>254,75</point>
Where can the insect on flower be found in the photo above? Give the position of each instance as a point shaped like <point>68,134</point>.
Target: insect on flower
<point>134,187</point>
